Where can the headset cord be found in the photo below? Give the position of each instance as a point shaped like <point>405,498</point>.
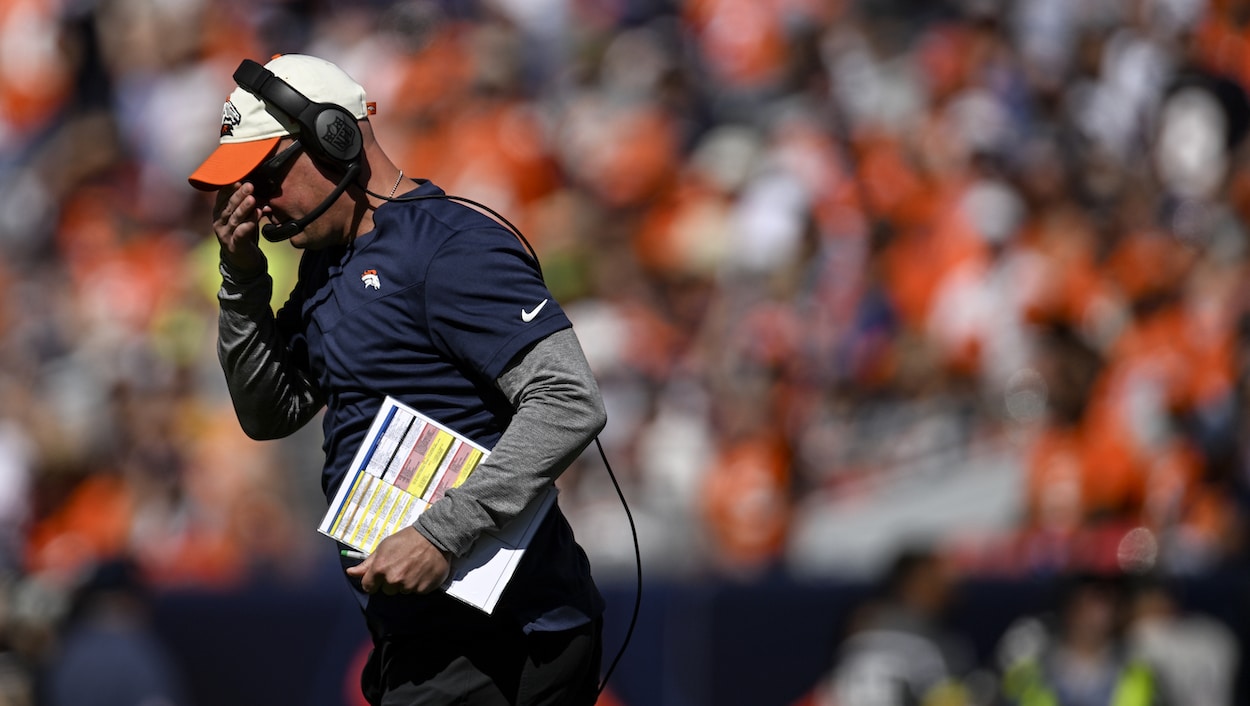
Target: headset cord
<point>633,529</point>
<point>450,197</point>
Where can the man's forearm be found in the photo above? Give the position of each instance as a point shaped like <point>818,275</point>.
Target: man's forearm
<point>272,398</point>
<point>559,410</point>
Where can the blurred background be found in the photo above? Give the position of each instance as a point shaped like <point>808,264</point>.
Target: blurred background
<point>922,327</point>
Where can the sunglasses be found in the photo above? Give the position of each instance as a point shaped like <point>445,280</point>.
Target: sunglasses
<point>266,179</point>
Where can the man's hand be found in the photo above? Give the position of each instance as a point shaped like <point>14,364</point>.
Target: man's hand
<point>405,562</point>
<point>236,223</point>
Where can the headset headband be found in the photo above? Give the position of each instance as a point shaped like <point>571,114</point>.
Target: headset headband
<point>335,135</point>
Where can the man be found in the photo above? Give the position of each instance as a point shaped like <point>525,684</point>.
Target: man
<point>897,650</point>
<point>108,652</point>
<point>435,304</point>
<point>1078,656</point>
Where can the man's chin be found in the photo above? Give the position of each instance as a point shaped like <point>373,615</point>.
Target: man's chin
<point>303,241</point>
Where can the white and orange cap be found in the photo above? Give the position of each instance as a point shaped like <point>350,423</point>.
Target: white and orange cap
<point>250,127</point>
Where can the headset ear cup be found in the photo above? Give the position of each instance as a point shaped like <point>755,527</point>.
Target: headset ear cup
<point>330,131</point>
<point>336,136</point>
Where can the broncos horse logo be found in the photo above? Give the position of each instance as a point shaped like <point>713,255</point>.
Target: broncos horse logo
<point>370,278</point>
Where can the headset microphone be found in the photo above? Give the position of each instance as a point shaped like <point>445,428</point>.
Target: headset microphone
<point>285,231</point>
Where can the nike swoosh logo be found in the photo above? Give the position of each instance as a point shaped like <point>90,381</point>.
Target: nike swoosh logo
<point>528,316</point>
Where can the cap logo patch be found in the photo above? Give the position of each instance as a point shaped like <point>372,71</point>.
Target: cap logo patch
<point>371,280</point>
<point>230,119</point>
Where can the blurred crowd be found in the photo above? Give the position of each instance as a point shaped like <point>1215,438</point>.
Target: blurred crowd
<point>806,243</point>
<point>1099,639</point>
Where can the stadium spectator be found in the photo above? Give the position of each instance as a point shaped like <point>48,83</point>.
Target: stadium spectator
<point>1078,656</point>
<point>108,652</point>
<point>898,649</point>
<point>1195,656</point>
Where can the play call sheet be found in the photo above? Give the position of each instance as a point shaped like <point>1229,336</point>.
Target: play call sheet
<point>406,463</point>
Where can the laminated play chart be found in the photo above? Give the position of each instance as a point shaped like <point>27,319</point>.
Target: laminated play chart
<point>406,463</point>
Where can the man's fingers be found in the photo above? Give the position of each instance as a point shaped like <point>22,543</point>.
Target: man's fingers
<point>236,224</point>
<point>233,208</point>
<point>361,571</point>
<point>222,201</point>
<point>402,563</point>
<point>373,581</point>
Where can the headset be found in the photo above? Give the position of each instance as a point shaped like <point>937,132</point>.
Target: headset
<point>328,131</point>
<point>330,134</point>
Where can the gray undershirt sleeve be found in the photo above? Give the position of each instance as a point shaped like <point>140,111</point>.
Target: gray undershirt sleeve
<point>272,397</point>
<point>559,411</point>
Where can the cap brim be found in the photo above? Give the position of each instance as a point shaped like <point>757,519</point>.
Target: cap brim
<point>230,162</point>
